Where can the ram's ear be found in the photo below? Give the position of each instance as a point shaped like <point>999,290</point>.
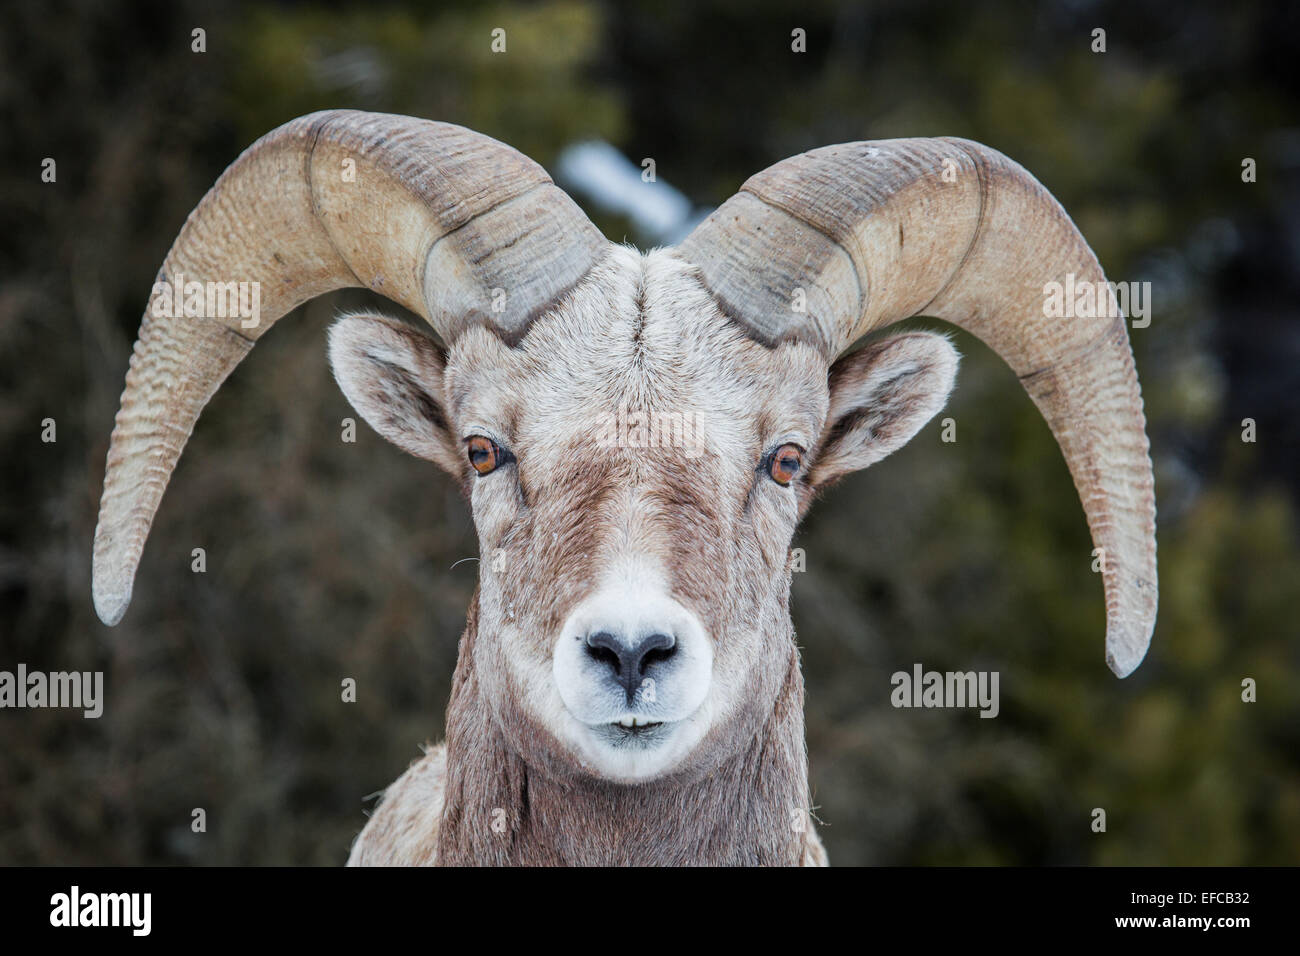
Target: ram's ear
<point>392,375</point>
<point>880,397</point>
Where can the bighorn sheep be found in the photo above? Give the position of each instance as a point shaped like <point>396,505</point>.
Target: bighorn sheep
<point>628,688</point>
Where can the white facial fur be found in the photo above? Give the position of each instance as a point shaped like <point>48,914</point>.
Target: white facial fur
<point>596,533</point>
<point>630,606</point>
<point>590,534</point>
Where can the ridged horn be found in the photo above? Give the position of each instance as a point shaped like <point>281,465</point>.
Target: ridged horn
<point>455,226</point>
<point>875,232</point>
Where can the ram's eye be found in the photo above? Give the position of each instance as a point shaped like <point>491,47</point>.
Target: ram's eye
<point>485,456</point>
<point>785,464</point>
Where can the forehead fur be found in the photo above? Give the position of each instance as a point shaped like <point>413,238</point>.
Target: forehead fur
<point>643,334</point>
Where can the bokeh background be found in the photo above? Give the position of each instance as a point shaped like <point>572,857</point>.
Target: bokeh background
<point>328,560</point>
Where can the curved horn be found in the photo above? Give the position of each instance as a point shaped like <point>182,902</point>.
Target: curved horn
<point>876,232</point>
<point>453,225</point>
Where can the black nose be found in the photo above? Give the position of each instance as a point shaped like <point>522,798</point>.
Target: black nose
<point>630,662</point>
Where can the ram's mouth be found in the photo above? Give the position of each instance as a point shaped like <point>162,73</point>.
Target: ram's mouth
<point>633,731</point>
<point>635,726</point>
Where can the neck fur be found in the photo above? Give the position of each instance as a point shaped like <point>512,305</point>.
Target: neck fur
<point>499,810</point>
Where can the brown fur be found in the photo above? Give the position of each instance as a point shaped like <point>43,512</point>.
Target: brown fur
<point>752,811</point>
<point>520,779</point>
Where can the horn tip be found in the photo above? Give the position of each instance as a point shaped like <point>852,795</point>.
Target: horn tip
<point>111,600</point>
<point>1124,653</point>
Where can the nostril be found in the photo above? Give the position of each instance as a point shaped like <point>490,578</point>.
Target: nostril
<point>655,649</point>
<point>605,648</point>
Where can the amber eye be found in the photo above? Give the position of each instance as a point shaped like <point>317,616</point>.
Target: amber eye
<point>484,455</point>
<point>784,465</point>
